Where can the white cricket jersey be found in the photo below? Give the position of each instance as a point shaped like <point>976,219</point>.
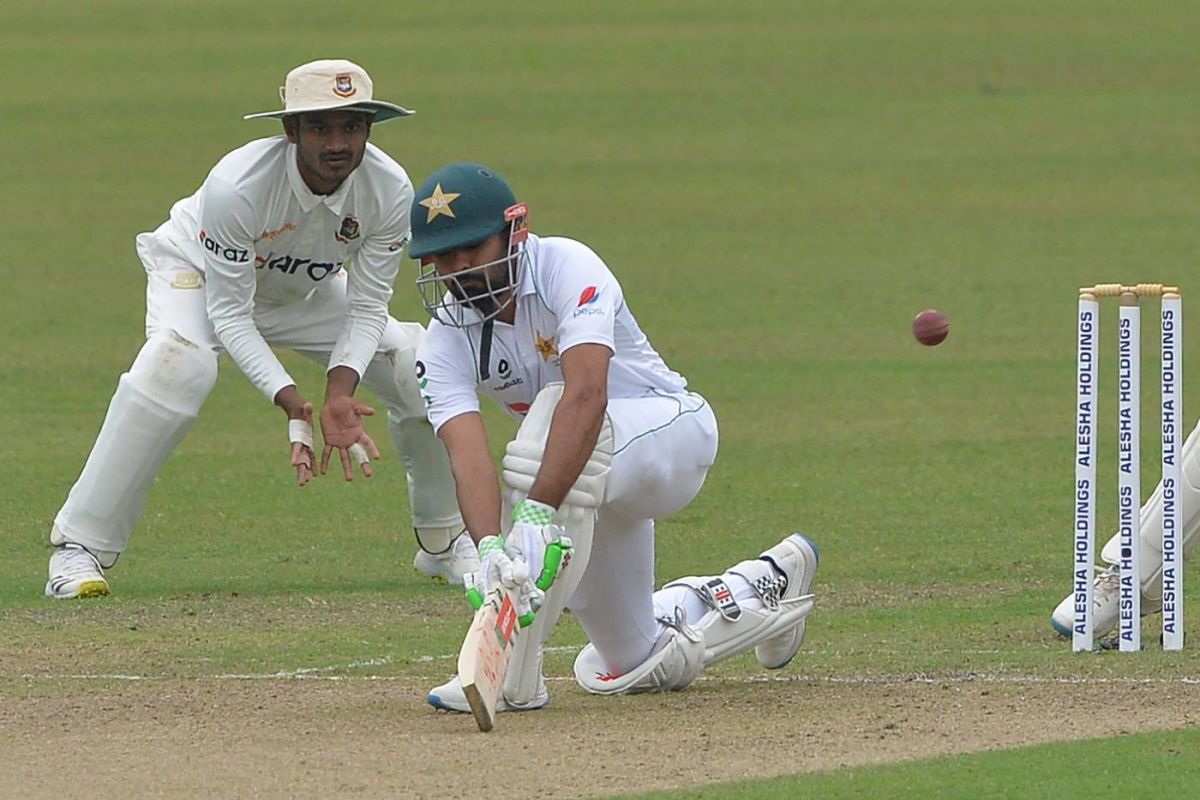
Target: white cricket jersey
<point>262,238</point>
<point>565,296</point>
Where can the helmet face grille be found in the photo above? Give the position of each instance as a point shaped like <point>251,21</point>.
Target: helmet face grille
<point>477,294</point>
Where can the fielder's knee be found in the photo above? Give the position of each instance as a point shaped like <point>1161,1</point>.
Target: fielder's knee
<point>174,372</point>
<point>408,402</point>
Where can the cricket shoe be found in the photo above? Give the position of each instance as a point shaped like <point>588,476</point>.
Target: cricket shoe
<point>74,572</point>
<point>449,697</point>
<point>1106,601</point>
<point>450,566</point>
<point>795,559</point>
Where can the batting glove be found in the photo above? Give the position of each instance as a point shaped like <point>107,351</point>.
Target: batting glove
<point>538,542</point>
<point>496,568</point>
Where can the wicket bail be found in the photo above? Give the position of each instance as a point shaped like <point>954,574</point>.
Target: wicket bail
<point>1129,371</point>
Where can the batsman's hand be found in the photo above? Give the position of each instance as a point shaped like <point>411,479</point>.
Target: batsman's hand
<point>497,569</point>
<point>341,427</point>
<point>300,434</point>
<point>544,549</point>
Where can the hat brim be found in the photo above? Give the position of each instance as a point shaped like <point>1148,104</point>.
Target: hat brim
<point>382,111</point>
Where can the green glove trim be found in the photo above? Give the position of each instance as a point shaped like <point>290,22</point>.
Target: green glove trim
<point>533,512</point>
<point>526,619</point>
<point>491,544</point>
<point>550,565</point>
<point>487,546</point>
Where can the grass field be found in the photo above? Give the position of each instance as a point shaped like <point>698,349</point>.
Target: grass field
<point>780,186</point>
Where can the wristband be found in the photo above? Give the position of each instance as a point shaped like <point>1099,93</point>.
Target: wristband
<point>300,432</point>
<point>533,512</point>
<point>491,544</point>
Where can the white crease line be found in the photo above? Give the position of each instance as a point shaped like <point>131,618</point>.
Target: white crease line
<point>847,680</point>
<point>1016,680</point>
<point>563,649</point>
<point>866,680</point>
<point>316,673</point>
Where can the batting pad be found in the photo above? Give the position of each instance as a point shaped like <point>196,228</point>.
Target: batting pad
<point>675,663</point>
<point>1152,520</point>
<point>730,627</point>
<point>577,516</point>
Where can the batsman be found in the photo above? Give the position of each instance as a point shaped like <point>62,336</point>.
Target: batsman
<point>610,439</point>
<point>1106,588</point>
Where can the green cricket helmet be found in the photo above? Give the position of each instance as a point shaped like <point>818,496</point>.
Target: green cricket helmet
<point>461,205</point>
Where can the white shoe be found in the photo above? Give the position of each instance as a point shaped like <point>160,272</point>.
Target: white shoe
<point>74,572</point>
<point>1106,601</point>
<point>796,557</point>
<point>449,697</point>
<point>459,559</point>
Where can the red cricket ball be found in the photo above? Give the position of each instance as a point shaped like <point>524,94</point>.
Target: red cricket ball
<point>931,327</point>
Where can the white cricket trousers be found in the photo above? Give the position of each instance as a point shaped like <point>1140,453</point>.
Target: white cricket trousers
<point>663,446</point>
<point>140,431</point>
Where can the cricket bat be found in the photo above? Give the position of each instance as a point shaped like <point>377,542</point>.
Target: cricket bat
<point>486,651</point>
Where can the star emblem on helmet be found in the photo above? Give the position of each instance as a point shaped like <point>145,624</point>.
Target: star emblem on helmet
<point>438,204</point>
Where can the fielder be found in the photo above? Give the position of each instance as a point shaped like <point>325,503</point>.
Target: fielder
<point>260,256</point>
<point>1106,589</point>
<point>610,440</point>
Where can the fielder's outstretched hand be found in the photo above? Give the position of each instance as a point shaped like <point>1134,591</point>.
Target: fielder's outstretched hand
<point>300,433</point>
<point>341,427</point>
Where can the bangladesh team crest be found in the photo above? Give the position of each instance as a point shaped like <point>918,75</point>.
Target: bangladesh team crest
<point>343,86</point>
<point>348,231</point>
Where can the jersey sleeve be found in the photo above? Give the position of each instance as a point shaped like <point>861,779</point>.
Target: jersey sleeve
<point>446,374</point>
<point>369,283</point>
<point>583,294</point>
<point>226,236</point>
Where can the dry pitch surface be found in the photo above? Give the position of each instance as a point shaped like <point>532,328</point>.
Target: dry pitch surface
<point>375,737</point>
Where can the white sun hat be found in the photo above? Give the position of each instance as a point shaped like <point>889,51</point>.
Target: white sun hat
<point>330,84</point>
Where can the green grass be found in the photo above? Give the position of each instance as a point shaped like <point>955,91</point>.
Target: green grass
<point>779,186</point>
<point>1124,766</point>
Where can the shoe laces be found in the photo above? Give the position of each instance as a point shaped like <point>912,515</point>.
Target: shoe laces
<point>1108,582</point>
<point>676,620</point>
<point>463,546</point>
<point>74,560</point>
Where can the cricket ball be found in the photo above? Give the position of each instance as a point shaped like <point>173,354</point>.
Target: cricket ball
<point>931,327</point>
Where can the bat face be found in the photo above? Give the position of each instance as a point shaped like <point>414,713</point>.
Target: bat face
<point>486,651</point>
